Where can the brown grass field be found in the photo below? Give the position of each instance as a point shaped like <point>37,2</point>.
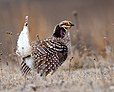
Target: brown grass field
<point>92,66</point>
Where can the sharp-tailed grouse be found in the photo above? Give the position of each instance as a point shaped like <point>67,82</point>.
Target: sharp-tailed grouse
<point>45,56</point>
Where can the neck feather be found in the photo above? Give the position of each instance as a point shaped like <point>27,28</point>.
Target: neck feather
<point>59,32</point>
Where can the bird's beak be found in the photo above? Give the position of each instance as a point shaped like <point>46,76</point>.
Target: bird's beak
<point>71,24</point>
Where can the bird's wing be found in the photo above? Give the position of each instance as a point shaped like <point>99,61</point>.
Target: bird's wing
<point>48,56</point>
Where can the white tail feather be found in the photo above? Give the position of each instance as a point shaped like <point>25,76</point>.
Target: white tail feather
<point>23,43</point>
<point>29,62</point>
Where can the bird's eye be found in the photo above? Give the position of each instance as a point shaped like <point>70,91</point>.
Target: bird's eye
<point>66,24</point>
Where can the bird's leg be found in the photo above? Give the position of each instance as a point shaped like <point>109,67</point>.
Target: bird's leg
<point>44,77</point>
<point>25,82</point>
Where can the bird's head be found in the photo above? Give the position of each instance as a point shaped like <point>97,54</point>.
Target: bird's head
<point>66,24</point>
<point>61,28</point>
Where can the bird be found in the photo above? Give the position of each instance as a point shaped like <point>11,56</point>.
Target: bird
<point>47,55</point>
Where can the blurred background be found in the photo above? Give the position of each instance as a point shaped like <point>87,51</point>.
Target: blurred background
<point>95,19</point>
<point>92,42</point>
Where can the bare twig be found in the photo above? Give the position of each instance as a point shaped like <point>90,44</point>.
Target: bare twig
<point>76,20</point>
<point>70,63</point>
<point>38,38</point>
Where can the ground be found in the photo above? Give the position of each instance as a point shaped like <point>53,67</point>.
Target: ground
<point>99,79</point>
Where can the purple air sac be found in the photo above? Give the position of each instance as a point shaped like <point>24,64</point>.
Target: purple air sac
<point>62,33</point>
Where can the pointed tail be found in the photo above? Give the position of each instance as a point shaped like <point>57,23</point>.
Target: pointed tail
<point>26,21</point>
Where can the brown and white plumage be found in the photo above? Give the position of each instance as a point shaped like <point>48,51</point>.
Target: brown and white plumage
<point>48,54</point>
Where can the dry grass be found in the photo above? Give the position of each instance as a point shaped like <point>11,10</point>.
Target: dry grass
<point>92,66</point>
<point>100,79</point>
<point>88,72</point>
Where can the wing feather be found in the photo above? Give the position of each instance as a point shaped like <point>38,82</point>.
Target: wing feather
<point>48,56</point>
